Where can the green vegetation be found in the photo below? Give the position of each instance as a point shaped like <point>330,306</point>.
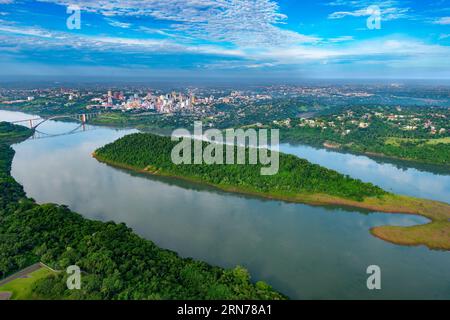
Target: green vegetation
<point>143,121</point>
<point>399,141</point>
<point>297,180</point>
<point>10,134</point>
<point>56,105</point>
<point>295,175</point>
<point>428,151</point>
<point>23,288</point>
<point>117,263</point>
<point>378,124</point>
<point>416,134</point>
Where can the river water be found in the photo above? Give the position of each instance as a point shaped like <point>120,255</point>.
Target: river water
<point>303,251</point>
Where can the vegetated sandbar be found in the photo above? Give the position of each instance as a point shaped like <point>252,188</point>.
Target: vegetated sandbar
<point>296,181</point>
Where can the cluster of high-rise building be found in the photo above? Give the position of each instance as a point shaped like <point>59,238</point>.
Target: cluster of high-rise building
<point>173,102</point>
<point>161,103</point>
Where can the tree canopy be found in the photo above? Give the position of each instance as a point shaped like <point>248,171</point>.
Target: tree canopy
<point>144,151</point>
<point>116,263</point>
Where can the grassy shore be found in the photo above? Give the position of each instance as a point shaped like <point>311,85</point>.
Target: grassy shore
<point>22,287</point>
<point>434,235</point>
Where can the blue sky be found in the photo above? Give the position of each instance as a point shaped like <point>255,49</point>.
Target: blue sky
<point>226,38</point>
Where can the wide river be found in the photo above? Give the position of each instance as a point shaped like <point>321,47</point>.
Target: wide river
<point>303,251</point>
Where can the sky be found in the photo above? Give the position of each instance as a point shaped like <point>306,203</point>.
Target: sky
<point>240,39</point>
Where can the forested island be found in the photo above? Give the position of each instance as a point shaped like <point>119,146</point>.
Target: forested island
<point>297,181</point>
<point>116,263</point>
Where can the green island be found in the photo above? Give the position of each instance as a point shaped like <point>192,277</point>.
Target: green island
<point>297,181</point>
<point>416,134</point>
<point>116,263</point>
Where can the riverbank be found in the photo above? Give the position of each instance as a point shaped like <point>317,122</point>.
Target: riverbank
<point>434,235</point>
<point>292,246</point>
<point>377,156</point>
<point>146,124</point>
<point>445,168</point>
<point>103,250</point>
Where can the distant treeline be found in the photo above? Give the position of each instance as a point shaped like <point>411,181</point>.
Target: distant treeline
<point>296,176</point>
<point>117,263</point>
<point>373,141</point>
<point>382,136</point>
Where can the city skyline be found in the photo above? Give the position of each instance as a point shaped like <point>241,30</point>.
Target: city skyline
<point>254,39</point>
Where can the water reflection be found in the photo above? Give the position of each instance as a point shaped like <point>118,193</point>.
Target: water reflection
<point>306,252</point>
<point>388,176</point>
<point>397,163</point>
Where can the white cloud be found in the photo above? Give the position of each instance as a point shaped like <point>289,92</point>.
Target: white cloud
<point>42,39</point>
<point>335,50</point>
<point>443,21</point>
<point>383,52</point>
<point>241,22</point>
<point>26,31</point>
<point>385,14</point>
<point>364,3</point>
<point>390,9</point>
<point>157,31</point>
<point>341,39</point>
<point>251,29</point>
<point>118,24</point>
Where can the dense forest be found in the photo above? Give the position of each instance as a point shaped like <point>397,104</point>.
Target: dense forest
<point>295,176</point>
<point>116,263</point>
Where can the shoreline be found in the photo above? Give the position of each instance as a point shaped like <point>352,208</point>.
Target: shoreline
<point>370,154</point>
<point>437,212</point>
<point>256,290</point>
<point>323,145</point>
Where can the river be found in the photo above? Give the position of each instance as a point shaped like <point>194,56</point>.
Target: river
<point>303,251</point>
